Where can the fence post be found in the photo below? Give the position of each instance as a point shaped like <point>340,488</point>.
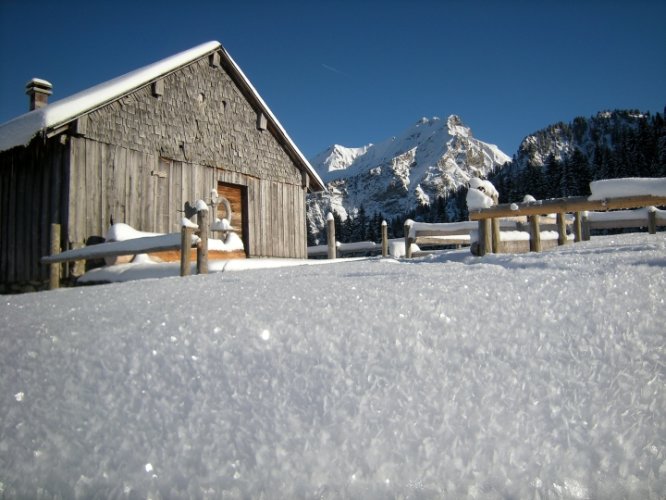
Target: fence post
<point>202,248</point>
<point>330,235</point>
<point>561,229</point>
<point>578,228</point>
<point>585,222</point>
<point>408,240</point>
<point>485,237</point>
<point>495,227</point>
<point>185,246</point>
<point>384,239</point>
<point>54,268</point>
<point>652,220</point>
<point>535,233</point>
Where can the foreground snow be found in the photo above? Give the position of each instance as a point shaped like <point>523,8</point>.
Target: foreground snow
<point>510,376</point>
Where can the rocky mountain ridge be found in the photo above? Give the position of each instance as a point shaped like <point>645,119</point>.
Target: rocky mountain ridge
<point>561,159</point>
<point>432,159</point>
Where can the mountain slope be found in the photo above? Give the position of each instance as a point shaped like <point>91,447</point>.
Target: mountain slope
<point>431,159</point>
<point>561,159</point>
<point>605,130</point>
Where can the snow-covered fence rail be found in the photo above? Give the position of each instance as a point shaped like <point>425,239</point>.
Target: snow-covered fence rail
<point>451,233</point>
<point>116,248</point>
<point>649,217</point>
<point>559,206</point>
<point>191,236</point>
<point>342,249</point>
<point>516,229</point>
<point>173,241</point>
<point>335,249</point>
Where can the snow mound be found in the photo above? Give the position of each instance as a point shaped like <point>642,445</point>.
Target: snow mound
<point>630,186</point>
<point>124,232</point>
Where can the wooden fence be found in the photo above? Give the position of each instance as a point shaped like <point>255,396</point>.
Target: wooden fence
<point>334,248</point>
<point>489,229</point>
<point>523,217</point>
<point>195,236</point>
<point>650,218</point>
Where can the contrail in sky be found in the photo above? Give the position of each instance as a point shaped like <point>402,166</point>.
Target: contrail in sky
<point>334,70</point>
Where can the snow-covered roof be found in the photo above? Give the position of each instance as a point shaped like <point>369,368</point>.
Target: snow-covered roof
<point>22,129</point>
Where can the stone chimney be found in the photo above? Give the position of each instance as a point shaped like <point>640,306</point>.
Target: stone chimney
<point>39,92</point>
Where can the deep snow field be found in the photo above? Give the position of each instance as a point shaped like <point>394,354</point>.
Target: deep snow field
<point>533,376</point>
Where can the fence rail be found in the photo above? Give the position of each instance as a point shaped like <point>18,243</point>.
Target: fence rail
<point>565,205</point>
<point>184,241</point>
<point>641,217</point>
<point>489,233</point>
<point>342,249</point>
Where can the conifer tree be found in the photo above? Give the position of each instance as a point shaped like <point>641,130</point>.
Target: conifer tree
<point>553,177</point>
<point>348,229</point>
<point>361,225</point>
<point>579,175</point>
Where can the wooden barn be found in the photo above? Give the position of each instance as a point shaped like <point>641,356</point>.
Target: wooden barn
<point>136,148</point>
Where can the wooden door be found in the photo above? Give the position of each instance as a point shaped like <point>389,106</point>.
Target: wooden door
<point>237,197</point>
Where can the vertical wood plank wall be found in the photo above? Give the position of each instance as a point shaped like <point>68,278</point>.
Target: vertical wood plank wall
<point>146,192</point>
<point>31,199</point>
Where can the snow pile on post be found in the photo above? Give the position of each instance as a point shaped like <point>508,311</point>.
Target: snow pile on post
<point>481,194</point>
<point>185,222</point>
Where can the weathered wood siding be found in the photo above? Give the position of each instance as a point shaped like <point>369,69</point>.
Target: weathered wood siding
<point>276,216</point>
<point>145,155</point>
<point>33,192</point>
<point>201,118</point>
<point>147,192</point>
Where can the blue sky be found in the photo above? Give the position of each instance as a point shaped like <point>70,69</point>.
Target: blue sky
<point>354,72</point>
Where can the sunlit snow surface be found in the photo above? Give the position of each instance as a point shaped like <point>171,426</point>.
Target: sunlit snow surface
<point>512,376</point>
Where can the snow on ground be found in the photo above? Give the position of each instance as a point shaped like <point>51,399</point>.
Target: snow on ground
<point>451,376</point>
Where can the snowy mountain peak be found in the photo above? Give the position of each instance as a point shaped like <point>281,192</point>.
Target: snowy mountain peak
<point>336,157</point>
<point>457,128</point>
<point>429,160</point>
